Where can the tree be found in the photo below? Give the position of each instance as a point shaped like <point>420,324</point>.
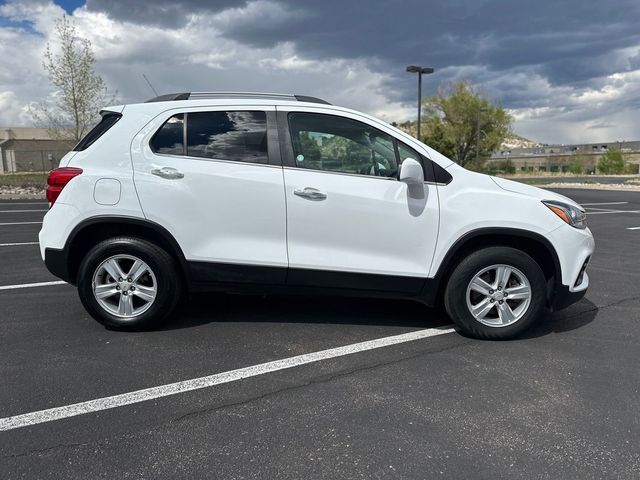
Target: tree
<point>611,163</point>
<point>79,92</point>
<point>457,116</point>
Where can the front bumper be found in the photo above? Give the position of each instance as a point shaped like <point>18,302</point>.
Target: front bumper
<point>574,248</point>
<point>562,296</point>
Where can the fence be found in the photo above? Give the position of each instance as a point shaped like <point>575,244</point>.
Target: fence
<point>21,161</point>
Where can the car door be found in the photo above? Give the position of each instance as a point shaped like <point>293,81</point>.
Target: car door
<point>351,224</point>
<point>213,178</point>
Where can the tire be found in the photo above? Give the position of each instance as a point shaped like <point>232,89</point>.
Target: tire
<point>497,316</point>
<point>149,300</point>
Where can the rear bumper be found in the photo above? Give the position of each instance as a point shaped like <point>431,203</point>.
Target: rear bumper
<point>56,262</point>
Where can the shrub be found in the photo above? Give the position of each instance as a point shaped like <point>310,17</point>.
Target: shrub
<point>611,163</point>
<point>503,166</point>
<point>577,166</point>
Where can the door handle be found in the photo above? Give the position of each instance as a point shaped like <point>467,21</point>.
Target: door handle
<point>310,193</point>
<point>168,173</point>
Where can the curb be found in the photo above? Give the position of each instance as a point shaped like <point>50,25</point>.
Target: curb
<point>21,196</point>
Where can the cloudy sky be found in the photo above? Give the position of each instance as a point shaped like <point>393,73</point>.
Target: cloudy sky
<point>569,71</point>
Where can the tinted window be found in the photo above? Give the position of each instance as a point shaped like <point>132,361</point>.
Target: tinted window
<point>169,139</point>
<point>108,120</point>
<point>237,135</point>
<point>327,142</point>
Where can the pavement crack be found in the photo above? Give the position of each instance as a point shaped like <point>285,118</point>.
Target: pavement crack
<point>38,451</point>
<point>315,381</point>
<point>596,308</point>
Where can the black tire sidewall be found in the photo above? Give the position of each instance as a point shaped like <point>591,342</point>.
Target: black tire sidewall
<point>163,267</point>
<point>456,291</point>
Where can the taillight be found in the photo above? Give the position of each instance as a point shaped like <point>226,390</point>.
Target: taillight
<point>58,179</point>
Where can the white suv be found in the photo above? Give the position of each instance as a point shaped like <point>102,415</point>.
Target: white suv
<point>244,192</point>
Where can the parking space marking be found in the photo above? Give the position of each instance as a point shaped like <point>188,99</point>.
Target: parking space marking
<point>18,244</point>
<point>23,203</point>
<point>20,223</point>
<point>105,403</point>
<point>602,211</point>
<point>22,211</point>
<point>604,203</point>
<point>32,285</point>
<point>633,228</point>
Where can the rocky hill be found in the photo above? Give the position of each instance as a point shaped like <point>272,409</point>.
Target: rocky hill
<point>516,141</point>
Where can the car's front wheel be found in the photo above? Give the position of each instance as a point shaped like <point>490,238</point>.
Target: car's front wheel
<point>495,293</point>
<point>129,283</point>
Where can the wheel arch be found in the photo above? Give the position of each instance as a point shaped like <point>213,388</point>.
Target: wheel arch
<point>93,230</point>
<point>533,244</point>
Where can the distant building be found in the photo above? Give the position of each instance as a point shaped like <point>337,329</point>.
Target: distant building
<point>29,150</point>
<point>559,158</point>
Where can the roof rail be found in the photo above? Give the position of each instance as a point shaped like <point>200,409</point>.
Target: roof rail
<point>169,97</point>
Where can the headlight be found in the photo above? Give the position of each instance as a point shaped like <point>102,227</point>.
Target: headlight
<point>568,213</point>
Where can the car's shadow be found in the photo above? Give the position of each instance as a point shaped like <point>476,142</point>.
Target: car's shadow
<point>572,318</point>
<point>205,308</point>
<point>202,309</point>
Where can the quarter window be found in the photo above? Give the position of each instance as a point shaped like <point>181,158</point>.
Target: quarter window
<point>236,135</point>
<point>170,138</point>
<point>338,144</point>
<point>407,152</point>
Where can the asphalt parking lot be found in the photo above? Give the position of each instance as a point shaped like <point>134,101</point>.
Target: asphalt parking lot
<point>561,402</point>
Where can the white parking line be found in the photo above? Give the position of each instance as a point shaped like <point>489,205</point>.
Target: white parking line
<point>604,203</point>
<point>22,211</point>
<point>612,211</point>
<point>24,203</point>
<point>32,285</point>
<point>105,403</point>
<point>633,228</point>
<point>18,244</point>
<point>20,223</point>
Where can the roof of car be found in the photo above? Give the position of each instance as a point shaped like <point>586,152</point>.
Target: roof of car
<point>171,97</point>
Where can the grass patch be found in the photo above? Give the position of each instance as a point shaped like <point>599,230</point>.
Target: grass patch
<point>31,179</point>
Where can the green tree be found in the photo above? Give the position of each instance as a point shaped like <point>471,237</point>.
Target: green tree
<point>459,119</point>
<point>611,163</point>
<point>79,92</point>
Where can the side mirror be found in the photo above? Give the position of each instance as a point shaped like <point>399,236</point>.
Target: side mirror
<point>411,172</point>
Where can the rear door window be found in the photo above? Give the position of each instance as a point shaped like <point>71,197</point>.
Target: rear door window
<point>239,136</point>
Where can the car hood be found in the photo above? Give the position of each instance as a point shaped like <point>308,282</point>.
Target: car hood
<point>530,191</point>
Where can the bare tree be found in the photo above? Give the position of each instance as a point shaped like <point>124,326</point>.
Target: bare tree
<point>79,92</point>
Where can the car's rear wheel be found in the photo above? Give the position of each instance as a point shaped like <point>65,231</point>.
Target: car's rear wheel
<point>129,283</point>
<point>495,293</point>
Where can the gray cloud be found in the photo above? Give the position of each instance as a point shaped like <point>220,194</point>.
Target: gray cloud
<point>168,13</point>
<point>561,66</point>
<point>574,42</point>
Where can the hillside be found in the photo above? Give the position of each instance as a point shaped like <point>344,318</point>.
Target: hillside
<point>516,141</point>
<point>511,142</point>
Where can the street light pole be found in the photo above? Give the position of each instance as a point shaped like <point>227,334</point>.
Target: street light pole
<point>481,110</point>
<point>419,71</point>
